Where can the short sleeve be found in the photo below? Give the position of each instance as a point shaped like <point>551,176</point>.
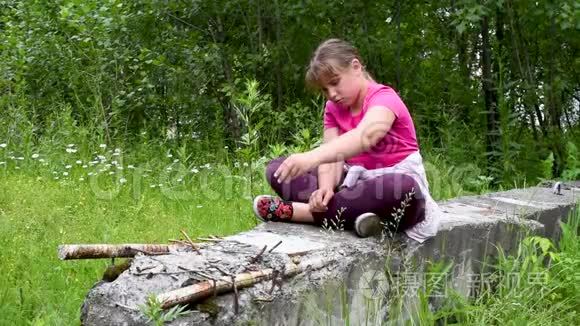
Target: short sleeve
<point>387,97</point>
<point>329,118</point>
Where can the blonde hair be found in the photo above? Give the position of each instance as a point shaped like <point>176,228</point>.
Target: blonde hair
<point>331,57</point>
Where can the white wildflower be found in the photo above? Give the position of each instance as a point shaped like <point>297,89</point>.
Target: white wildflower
<point>103,146</point>
<point>79,162</point>
<point>179,180</point>
<point>2,163</point>
<point>114,162</point>
<point>85,166</point>
<point>20,158</point>
<point>130,166</point>
<point>35,156</point>
<point>170,155</point>
<point>3,145</point>
<point>65,173</point>
<point>56,178</point>
<point>176,160</point>
<point>245,163</point>
<point>81,179</point>
<point>68,167</point>
<point>17,167</point>
<point>116,154</point>
<point>111,172</point>
<point>169,168</point>
<point>41,160</point>
<point>117,150</point>
<point>91,173</point>
<point>71,150</point>
<point>152,186</point>
<point>120,168</point>
<point>194,170</point>
<point>199,206</point>
<point>70,145</point>
<point>122,180</point>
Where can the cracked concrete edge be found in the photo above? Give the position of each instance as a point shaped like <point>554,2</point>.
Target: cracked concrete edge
<point>470,224</point>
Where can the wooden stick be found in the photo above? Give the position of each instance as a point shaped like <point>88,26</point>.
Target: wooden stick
<point>91,251</point>
<point>209,239</point>
<point>193,246</point>
<point>205,289</point>
<point>179,241</point>
<point>255,258</point>
<point>275,246</point>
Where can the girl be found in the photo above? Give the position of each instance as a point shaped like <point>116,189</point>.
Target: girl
<point>368,174</point>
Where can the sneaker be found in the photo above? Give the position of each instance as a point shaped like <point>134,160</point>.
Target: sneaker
<point>270,208</point>
<point>367,225</point>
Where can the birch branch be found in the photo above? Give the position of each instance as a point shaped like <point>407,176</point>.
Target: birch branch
<point>205,289</point>
<point>92,251</point>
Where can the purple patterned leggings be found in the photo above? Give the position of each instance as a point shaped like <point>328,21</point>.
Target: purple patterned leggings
<point>382,195</point>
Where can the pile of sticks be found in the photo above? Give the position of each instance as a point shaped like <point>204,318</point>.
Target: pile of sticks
<point>228,282</point>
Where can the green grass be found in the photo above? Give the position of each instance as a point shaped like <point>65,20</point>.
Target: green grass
<point>36,215</point>
<point>83,194</point>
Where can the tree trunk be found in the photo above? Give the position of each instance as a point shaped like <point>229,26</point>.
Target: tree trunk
<point>490,98</point>
<point>553,108</point>
<point>399,44</point>
<point>231,120</point>
<point>278,68</point>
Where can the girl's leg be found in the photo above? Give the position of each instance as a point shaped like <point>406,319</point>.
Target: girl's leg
<point>298,191</point>
<point>390,196</point>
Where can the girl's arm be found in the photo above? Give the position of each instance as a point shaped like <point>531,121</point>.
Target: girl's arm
<point>372,128</point>
<point>329,173</point>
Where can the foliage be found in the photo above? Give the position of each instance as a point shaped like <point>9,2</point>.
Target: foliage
<point>156,315</point>
<point>123,73</point>
<point>572,171</point>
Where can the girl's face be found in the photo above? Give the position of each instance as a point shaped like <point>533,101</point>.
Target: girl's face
<point>345,87</point>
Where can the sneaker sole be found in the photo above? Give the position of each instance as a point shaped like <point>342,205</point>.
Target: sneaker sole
<point>369,228</point>
<point>255,207</point>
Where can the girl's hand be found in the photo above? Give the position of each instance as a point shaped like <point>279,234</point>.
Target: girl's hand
<point>294,166</point>
<point>319,199</point>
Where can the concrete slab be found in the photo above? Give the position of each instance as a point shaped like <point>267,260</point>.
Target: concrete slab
<point>287,244</point>
<point>471,230</point>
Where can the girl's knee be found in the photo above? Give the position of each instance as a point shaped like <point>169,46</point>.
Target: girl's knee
<point>271,167</point>
<point>400,185</point>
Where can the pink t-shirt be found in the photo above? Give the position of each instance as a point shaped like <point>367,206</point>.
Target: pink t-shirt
<point>397,144</point>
